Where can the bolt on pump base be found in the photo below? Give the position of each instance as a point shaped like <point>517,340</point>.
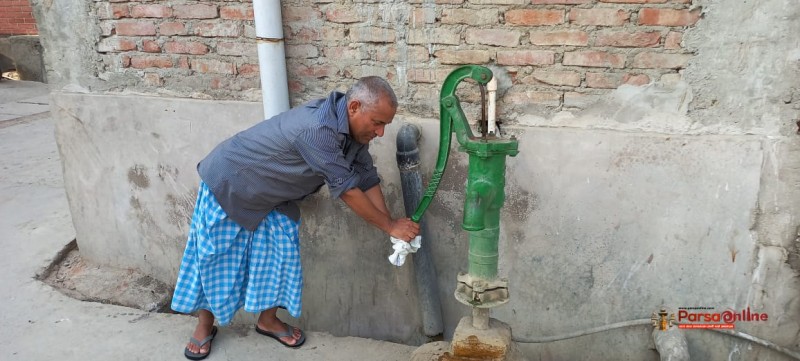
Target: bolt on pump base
<point>477,337</point>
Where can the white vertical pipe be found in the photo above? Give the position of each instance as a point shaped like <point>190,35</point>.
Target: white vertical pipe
<point>271,56</point>
<point>492,111</point>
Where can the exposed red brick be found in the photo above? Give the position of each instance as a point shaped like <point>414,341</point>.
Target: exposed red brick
<point>301,14</point>
<point>248,70</point>
<point>534,17</point>
<point>603,80</point>
<point>144,62</point>
<point>110,11</point>
<point>498,37</point>
<point>635,1</point>
<point>185,47</point>
<point>438,2</point>
<point>16,18</point>
<point>422,16</point>
<point>343,15</point>
<point>594,59</point>
<point>668,17</point>
<point>433,36</point>
<point>464,56</point>
<point>372,34</point>
<point>636,79</point>
<point>525,57</point>
<point>171,28</point>
<point>219,83</point>
<point>150,46</point>
<point>153,79</point>
<point>660,61</point>
<point>212,66</point>
<point>115,44</point>
<point>602,17</point>
<point>120,11</point>
<point>569,78</point>
<point>218,29</point>
<point>296,86</point>
<point>673,40</point>
<point>305,35</point>
<point>196,11</point>
<point>567,37</point>
<point>319,71</point>
<point>560,2</point>
<point>344,52</point>
<point>470,17</point>
<point>626,39</point>
<point>237,48</point>
<point>141,28</point>
<point>236,12</point>
<point>151,11</point>
<point>421,75</point>
<point>413,54</point>
<point>183,62</point>
<point>126,44</point>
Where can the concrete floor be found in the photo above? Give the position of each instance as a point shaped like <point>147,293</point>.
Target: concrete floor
<point>39,323</point>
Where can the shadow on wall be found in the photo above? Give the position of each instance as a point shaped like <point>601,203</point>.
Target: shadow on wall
<point>23,55</point>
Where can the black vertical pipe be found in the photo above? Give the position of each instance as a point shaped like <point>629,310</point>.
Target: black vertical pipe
<point>427,285</point>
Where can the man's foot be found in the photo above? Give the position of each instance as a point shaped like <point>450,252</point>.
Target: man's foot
<point>277,329</point>
<point>201,332</point>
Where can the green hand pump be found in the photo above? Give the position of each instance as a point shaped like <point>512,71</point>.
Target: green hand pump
<point>480,286</point>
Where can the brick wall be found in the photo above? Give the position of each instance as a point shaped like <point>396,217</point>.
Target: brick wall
<point>559,53</point>
<point>16,18</point>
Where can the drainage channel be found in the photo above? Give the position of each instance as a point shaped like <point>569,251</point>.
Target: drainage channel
<point>77,278</point>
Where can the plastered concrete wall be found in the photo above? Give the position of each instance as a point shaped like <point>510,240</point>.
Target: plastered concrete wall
<point>682,192</point>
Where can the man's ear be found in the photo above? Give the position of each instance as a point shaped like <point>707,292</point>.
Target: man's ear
<point>353,106</point>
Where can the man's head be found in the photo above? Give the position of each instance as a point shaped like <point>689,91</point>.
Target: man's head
<point>371,105</point>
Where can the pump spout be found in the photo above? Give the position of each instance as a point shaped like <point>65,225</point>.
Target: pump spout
<point>485,190</point>
<point>479,199</point>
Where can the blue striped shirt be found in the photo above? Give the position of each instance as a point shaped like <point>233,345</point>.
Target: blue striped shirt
<point>283,159</point>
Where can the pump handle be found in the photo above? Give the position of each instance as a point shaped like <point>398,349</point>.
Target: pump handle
<point>452,119</point>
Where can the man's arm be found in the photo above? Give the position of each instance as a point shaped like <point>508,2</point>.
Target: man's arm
<point>364,204</point>
<point>375,196</point>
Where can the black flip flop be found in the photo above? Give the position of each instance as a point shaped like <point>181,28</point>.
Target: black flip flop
<point>289,333</point>
<point>196,355</point>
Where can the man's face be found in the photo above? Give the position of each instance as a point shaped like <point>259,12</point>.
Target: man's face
<point>366,123</point>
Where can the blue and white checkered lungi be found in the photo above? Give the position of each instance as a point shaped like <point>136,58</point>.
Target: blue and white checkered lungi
<point>225,266</point>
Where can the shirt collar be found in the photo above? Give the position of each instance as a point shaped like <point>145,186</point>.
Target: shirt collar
<point>341,115</point>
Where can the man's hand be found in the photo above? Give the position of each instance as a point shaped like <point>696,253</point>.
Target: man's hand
<point>404,228</point>
<point>371,206</point>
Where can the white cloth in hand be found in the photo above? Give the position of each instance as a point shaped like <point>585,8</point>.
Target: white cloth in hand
<point>403,248</point>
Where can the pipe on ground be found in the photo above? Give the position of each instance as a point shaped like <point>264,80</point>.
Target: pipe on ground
<point>671,344</point>
<point>427,284</point>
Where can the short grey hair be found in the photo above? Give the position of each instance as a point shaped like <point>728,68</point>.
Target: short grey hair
<point>369,90</point>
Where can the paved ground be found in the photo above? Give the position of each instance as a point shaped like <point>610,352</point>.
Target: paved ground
<point>39,323</point>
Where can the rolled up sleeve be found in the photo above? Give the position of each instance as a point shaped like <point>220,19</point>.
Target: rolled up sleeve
<point>364,167</point>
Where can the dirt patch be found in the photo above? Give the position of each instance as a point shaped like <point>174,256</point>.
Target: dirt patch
<point>77,278</point>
